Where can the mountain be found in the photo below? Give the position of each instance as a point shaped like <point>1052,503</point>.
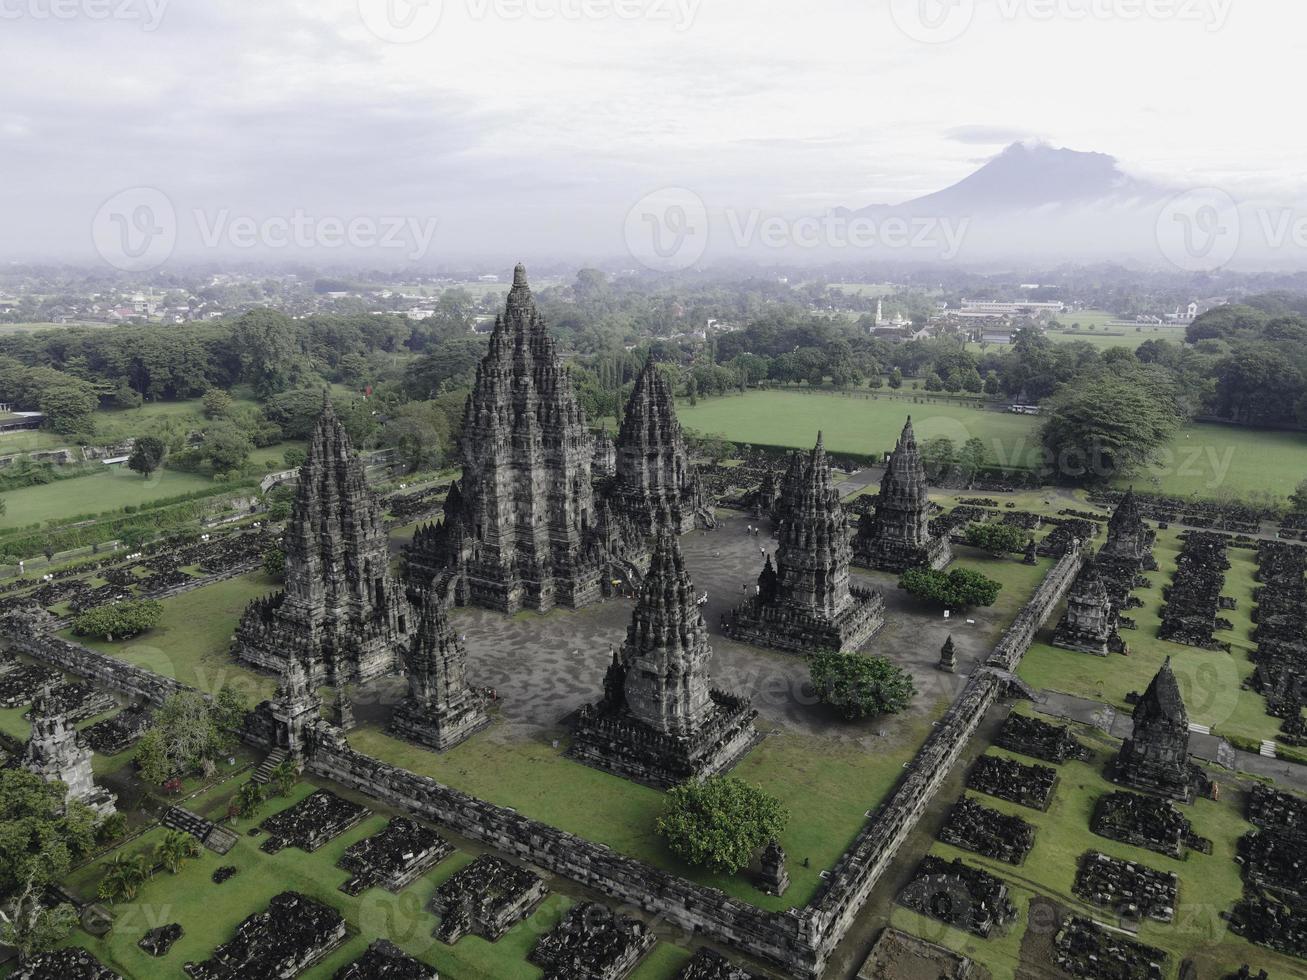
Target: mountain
<point>1034,176</point>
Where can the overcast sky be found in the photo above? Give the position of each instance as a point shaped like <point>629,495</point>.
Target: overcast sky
<point>533,126</point>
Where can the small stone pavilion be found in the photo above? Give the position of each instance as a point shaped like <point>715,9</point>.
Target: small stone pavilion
<point>1156,756</point>
<point>1090,624</point>
<point>55,752</point>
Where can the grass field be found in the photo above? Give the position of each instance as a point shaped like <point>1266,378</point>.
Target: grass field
<point>111,489</point>
<point>191,643</point>
<point>209,913</point>
<point>1107,334</point>
<point>1209,884</point>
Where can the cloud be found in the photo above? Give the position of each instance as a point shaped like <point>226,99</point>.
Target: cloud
<point>987,135</point>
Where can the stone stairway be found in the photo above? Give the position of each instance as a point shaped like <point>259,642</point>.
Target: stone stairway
<point>264,773</point>
<point>1267,749</point>
<point>215,838</point>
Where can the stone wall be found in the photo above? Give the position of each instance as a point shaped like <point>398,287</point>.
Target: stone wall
<point>117,675</point>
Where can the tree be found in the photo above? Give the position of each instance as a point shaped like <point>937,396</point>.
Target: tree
<point>1297,499</point>
<point>719,822</point>
<point>40,836</point>
<point>972,458</point>
<point>896,379</point>
<point>28,925</point>
<point>249,798</point>
<point>216,403</point>
<point>119,620</point>
<point>153,760</point>
<point>934,382</point>
<point>228,711</point>
<point>147,455</point>
<point>274,563</point>
<point>418,432</point>
<point>226,447</point>
<point>68,406</point>
<point>859,686</point>
<point>125,396</point>
<point>991,383</point>
<point>176,848</point>
<point>123,877</point>
<point>957,588</point>
<point>939,454</point>
<point>189,733</point>
<point>295,458</point>
<point>284,775</point>
<point>997,539</point>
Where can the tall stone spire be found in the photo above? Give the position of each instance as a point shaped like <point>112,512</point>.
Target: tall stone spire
<point>897,535</point>
<point>1156,756</point>
<point>659,722</point>
<point>1090,624</point>
<point>1129,538</point>
<point>656,486</point>
<point>807,602</point>
<point>340,609</point>
<point>55,752</point>
<point>524,531</point>
<point>441,710</point>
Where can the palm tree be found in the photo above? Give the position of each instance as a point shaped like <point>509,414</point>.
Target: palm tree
<point>284,775</point>
<point>250,798</point>
<point>123,876</point>
<point>175,849</point>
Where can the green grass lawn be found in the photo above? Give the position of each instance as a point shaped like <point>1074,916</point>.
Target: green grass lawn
<point>108,490</point>
<point>1209,884</point>
<point>209,913</point>
<point>192,642</point>
<point>1210,460</point>
<point>1210,680</point>
<point>827,786</point>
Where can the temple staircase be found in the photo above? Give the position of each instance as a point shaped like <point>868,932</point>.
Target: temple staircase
<point>264,773</point>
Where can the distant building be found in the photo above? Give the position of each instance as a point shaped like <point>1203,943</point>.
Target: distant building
<point>986,308</point>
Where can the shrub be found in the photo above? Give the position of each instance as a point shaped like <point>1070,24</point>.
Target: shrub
<point>997,539</point>
<point>859,686</point>
<point>119,620</point>
<point>719,822</point>
<point>957,588</point>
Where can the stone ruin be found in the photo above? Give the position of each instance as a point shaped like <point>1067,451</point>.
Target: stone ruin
<point>1274,860</point>
<point>656,486</point>
<point>1087,950</point>
<point>394,857</point>
<point>159,940</point>
<point>900,956</point>
<point>1281,632</point>
<point>340,610</point>
<point>592,943</point>
<point>521,527</point>
<point>1245,973</point>
<point>948,656</point>
<point>1133,891</point>
<point>1040,740</point>
<point>1273,919</point>
<point>1129,538</point>
<point>659,722</point>
<point>708,964</point>
<point>292,934</point>
<point>319,817</point>
<point>1155,758</point>
<point>119,733</point>
<point>78,701</point>
<point>1193,598</point>
<point>21,682</point>
<point>486,899</point>
<point>773,878</point>
<point>441,709</point>
<point>1274,810</point>
<point>1090,622</point>
<point>1007,779</point>
<point>958,895</point>
<point>897,536</point>
<point>71,963</point>
<point>383,960</point>
<point>1147,822</point>
<point>806,603</point>
<point>989,833</point>
<point>55,752</point>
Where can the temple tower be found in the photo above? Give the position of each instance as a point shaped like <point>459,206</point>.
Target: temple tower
<point>340,610</point>
<point>659,722</point>
<point>1129,538</point>
<point>522,536</point>
<point>806,603</point>
<point>441,710</point>
<point>56,753</point>
<point>1156,756</point>
<point>1090,624</point>
<point>656,486</point>
<point>896,536</point>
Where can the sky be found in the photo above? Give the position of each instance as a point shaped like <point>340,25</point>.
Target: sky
<point>442,129</point>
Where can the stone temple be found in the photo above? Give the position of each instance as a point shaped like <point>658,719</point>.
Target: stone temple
<point>520,527</point>
<point>655,485</point>
<point>1090,624</point>
<point>659,722</point>
<point>340,610</point>
<point>805,603</point>
<point>55,752</point>
<point>441,710</point>
<point>1129,538</point>
<point>896,536</point>
<point>1156,756</point>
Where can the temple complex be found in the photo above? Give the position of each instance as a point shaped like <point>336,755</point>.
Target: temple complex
<point>896,535</point>
<point>659,722</point>
<point>519,530</point>
<point>441,710</point>
<point>340,610</point>
<point>1090,623</point>
<point>1156,756</point>
<point>655,485</point>
<point>1129,538</point>
<point>805,603</point>
<point>55,752</point>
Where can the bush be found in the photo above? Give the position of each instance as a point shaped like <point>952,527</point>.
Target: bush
<point>859,686</point>
<point>719,822</point>
<point>957,588</point>
<point>997,539</point>
<point>274,562</point>
<point>119,620</point>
